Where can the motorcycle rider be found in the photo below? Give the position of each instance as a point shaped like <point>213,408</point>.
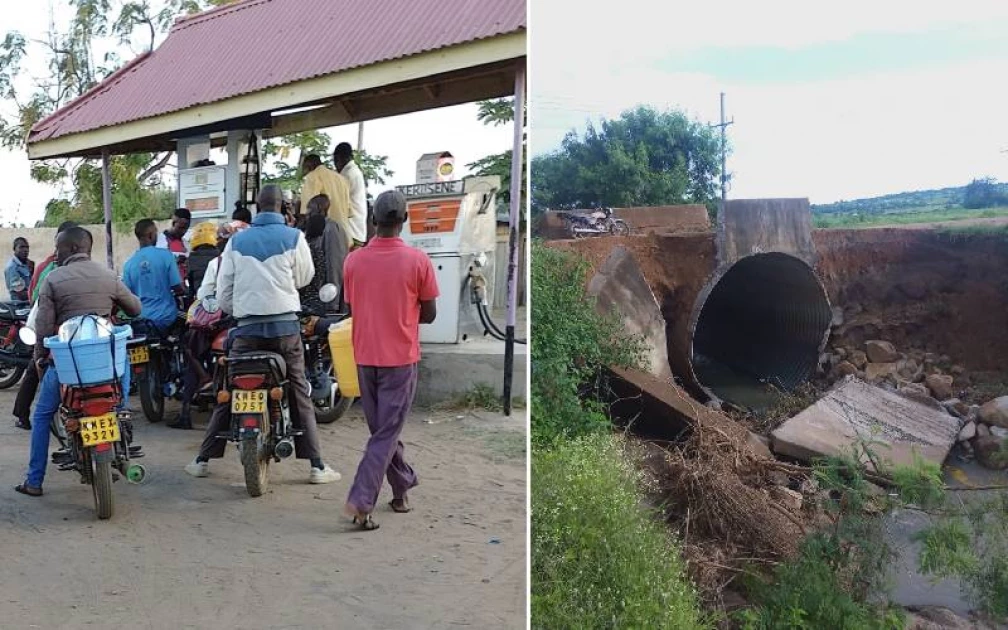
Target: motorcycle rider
<point>262,269</point>
<point>203,251</point>
<point>173,239</point>
<point>79,286</point>
<point>152,275</point>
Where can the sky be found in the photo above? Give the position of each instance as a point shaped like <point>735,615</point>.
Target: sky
<point>830,101</point>
<point>402,138</point>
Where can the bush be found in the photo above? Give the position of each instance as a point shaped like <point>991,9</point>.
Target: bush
<point>571,343</point>
<point>600,560</point>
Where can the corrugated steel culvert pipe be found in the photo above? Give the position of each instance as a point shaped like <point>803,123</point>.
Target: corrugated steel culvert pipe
<point>763,320</point>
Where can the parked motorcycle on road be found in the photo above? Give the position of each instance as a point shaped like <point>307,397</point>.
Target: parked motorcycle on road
<point>158,364</point>
<point>598,223</point>
<point>15,355</point>
<point>98,438</point>
<point>330,403</point>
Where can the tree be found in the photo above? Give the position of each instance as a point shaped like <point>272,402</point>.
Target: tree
<point>495,113</point>
<point>74,66</point>
<point>984,193</point>
<point>642,158</point>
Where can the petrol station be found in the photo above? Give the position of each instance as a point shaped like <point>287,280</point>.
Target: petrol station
<point>205,87</point>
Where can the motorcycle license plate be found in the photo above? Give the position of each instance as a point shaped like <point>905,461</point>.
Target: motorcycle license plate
<point>248,401</point>
<point>99,429</point>
<point>138,355</point>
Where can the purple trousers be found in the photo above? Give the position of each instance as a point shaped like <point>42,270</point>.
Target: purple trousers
<point>386,397</point>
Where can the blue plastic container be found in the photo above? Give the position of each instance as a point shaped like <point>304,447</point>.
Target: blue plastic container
<point>90,361</point>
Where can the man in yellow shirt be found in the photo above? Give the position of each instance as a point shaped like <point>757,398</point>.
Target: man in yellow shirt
<point>319,180</point>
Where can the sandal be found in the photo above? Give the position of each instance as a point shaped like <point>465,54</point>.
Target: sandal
<point>402,507</point>
<point>22,424</point>
<point>364,523</point>
<point>27,490</point>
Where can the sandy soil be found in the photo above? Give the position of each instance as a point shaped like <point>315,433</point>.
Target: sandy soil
<point>182,552</point>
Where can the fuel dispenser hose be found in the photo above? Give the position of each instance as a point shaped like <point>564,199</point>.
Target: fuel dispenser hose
<point>489,326</point>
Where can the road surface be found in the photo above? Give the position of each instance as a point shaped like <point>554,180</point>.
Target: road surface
<point>195,553</point>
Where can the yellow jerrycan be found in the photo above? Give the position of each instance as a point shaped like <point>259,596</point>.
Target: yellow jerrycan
<point>341,349</point>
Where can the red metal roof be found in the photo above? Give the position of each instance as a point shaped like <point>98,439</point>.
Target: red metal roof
<point>258,44</point>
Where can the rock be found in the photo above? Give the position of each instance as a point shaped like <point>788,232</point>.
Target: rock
<point>838,318</point>
<point>956,370</point>
<point>990,453</point>
<point>940,385</point>
<point>846,368</point>
<point>859,359</point>
<point>982,430</point>
<point>826,362</point>
<point>944,359</point>
<point>914,388</point>
<point>761,445</point>
<point>951,406</point>
<point>881,351</point>
<point>961,408</point>
<point>877,371</point>
<point>787,497</point>
<point>936,618</point>
<point>841,352</point>
<point>968,432</point>
<point>714,404</point>
<point>999,432</point>
<point>910,370</point>
<point>995,412</point>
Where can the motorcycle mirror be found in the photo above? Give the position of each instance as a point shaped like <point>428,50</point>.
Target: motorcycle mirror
<point>327,292</point>
<point>27,336</point>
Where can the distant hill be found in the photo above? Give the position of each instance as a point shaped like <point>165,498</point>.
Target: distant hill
<point>918,200</point>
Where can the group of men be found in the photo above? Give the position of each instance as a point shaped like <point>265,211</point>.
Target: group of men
<point>258,280</point>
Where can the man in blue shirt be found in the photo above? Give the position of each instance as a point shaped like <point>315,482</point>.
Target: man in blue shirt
<point>152,275</point>
<point>19,270</point>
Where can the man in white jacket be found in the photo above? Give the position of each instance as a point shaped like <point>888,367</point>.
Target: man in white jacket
<point>261,270</point>
<point>345,166</point>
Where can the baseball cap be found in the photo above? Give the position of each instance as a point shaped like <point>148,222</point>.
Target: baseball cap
<point>389,207</point>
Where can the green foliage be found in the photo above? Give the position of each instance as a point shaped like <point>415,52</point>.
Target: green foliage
<point>286,152</point>
<point>910,216</point>
<point>494,113</point>
<point>600,560</point>
<point>984,193</point>
<point>571,343</point>
<point>920,483</point>
<point>642,158</point>
<point>919,206</point>
<point>479,396</point>
<point>972,546</point>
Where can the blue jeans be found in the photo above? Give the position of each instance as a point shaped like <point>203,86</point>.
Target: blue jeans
<point>46,406</point>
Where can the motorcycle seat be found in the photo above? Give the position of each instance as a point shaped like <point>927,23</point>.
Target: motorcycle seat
<point>251,362</point>
<point>14,311</point>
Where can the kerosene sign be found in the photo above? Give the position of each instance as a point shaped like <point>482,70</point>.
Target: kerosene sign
<point>433,189</point>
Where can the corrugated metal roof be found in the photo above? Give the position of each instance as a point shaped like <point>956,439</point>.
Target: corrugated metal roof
<point>258,44</point>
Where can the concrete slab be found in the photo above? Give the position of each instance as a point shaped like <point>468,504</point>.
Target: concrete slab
<point>855,410</point>
<point>755,226</point>
<point>447,370</point>
<point>620,286</point>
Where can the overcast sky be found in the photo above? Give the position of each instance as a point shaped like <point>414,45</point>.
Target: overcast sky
<point>403,138</point>
<point>830,100</point>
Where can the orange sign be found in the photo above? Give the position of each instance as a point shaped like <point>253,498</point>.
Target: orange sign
<point>202,204</point>
<point>433,216</point>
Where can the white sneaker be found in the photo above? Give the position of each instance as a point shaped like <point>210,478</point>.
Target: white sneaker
<point>325,475</point>
<point>198,469</point>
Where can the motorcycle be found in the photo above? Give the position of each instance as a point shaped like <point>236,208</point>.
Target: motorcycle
<point>15,356</point>
<point>98,438</point>
<point>158,364</point>
<point>330,404</point>
<point>597,223</point>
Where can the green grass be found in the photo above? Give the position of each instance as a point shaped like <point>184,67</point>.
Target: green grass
<point>479,396</point>
<point>599,559</point>
<point>906,216</point>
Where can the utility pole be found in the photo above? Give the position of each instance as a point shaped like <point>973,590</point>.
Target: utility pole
<point>724,157</point>
<point>360,136</point>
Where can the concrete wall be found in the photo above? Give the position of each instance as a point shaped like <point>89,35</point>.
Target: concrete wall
<point>754,226</point>
<point>501,265</point>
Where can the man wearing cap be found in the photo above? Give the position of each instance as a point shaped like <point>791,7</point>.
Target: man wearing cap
<point>391,289</point>
<point>261,270</point>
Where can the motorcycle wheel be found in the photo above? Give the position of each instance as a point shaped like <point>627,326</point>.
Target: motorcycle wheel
<point>327,414</point>
<point>152,398</point>
<point>58,430</point>
<point>619,227</point>
<point>255,461</point>
<point>101,484</point>
<point>10,375</point>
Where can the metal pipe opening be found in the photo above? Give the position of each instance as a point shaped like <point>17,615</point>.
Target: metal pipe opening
<point>763,323</point>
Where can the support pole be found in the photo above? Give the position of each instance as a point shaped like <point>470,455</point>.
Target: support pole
<point>517,157</point>
<point>360,136</point>
<point>106,176</point>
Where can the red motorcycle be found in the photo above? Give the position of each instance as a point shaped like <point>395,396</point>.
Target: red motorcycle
<point>15,356</point>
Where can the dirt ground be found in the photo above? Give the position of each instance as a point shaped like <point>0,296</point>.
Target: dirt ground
<point>183,552</point>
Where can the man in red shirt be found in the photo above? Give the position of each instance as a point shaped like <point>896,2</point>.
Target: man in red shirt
<point>391,289</point>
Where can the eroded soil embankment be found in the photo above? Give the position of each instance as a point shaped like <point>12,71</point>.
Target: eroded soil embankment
<point>939,292</point>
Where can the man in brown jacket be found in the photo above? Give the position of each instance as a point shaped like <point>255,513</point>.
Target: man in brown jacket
<point>79,286</point>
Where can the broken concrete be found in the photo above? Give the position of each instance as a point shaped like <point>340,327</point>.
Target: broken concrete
<point>620,286</point>
<point>855,410</point>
